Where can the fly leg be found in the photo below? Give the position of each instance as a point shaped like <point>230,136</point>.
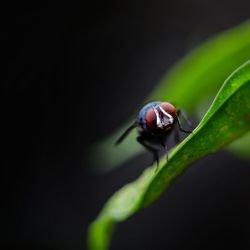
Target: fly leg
<point>164,145</point>
<point>181,112</point>
<point>179,124</point>
<point>144,142</point>
<point>125,134</point>
<point>177,137</point>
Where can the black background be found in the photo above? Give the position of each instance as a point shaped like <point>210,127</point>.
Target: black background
<point>72,76</point>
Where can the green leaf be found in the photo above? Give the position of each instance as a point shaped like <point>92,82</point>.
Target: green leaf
<point>227,119</point>
<point>190,84</point>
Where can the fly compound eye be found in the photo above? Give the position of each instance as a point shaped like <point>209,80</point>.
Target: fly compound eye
<point>169,108</point>
<point>151,119</point>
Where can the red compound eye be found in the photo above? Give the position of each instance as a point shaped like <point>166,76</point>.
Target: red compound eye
<point>169,108</point>
<point>150,118</point>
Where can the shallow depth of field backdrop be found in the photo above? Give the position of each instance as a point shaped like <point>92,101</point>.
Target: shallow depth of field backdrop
<point>73,76</point>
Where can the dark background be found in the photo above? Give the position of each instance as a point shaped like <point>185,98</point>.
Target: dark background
<point>72,76</point>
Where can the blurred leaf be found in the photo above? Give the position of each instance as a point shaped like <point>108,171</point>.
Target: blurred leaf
<point>190,84</point>
<point>241,147</point>
<point>227,119</point>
